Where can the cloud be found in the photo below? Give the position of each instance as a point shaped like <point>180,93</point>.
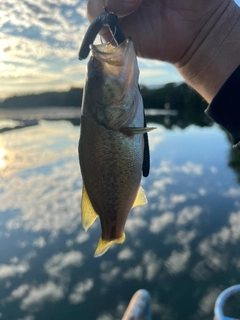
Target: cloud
<point>177,262</point>
<point>152,264</point>
<point>13,270</point>
<point>18,293</point>
<point>206,304</point>
<point>61,262</point>
<point>126,254</point>
<point>34,174</point>
<point>152,73</point>
<point>182,237</point>
<point>110,275</point>
<point>233,192</point>
<point>155,140</point>
<point>189,168</point>
<point>14,260</point>
<point>39,242</point>
<point>135,224</point>
<point>82,237</point>
<point>37,296</point>
<point>80,290</point>
<point>202,191</point>
<point>105,316</point>
<point>159,223</point>
<point>37,33</point>
<point>188,214</point>
<point>178,198</point>
<point>161,184</point>
<point>134,273</point>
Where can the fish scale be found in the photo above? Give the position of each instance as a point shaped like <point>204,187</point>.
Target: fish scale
<point>111,141</point>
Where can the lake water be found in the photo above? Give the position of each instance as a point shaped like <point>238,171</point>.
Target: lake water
<point>183,246</point>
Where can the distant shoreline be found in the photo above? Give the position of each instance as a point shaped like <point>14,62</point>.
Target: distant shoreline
<point>40,113</point>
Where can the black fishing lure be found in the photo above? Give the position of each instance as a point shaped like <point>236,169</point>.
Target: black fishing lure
<point>110,20</point>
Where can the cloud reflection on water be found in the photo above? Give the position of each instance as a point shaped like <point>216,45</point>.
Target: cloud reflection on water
<point>167,240</point>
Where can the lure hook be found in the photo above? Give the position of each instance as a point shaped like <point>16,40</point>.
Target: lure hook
<point>109,42</point>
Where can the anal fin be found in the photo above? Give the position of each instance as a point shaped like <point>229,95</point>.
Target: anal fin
<point>88,213</point>
<point>141,198</point>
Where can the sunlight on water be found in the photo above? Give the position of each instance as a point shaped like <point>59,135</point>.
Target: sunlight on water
<point>2,158</point>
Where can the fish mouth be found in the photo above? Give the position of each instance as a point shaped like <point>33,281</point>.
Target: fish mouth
<point>113,55</point>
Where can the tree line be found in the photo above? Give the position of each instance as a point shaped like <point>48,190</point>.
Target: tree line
<point>176,95</point>
<point>189,105</point>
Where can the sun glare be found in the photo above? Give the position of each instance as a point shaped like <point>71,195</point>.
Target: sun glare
<point>2,157</point>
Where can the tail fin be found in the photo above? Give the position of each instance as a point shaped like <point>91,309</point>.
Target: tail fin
<point>103,245</point>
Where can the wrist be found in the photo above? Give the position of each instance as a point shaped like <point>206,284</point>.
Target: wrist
<point>215,54</point>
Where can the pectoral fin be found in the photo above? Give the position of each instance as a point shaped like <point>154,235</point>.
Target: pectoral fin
<point>104,245</point>
<point>141,198</point>
<point>130,131</point>
<point>88,213</point>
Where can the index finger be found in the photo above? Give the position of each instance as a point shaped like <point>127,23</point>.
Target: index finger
<point>120,8</point>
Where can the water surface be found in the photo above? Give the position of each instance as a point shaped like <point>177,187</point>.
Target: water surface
<point>183,246</point>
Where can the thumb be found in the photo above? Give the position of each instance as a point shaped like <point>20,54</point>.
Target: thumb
<point>121,8</point>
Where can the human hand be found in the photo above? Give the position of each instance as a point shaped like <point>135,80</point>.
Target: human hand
<point>196,36</point>
<point>168,30</point>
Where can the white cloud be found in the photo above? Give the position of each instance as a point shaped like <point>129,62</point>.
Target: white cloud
<point>134,273</point>
<point>202,191</point>
<point>110,275</point>
<point>184,237</point>
<point>154,140</point>
<point>152,264</point>
<point>126,254</point>
<point>80,290</point>
<point>13,270</point>
<point>43,202</point>
<point>135,224</point>
<point>105,316</point>
<point>234,221</point>
<point>213,170</point>
<point>61,262</point>
<point>206,304</point>
<point>178,198</point>
<point>44,41</point>
<point>188,214</point>
<point>177,262</point>
<point>37,296</point>
<point>22,244</point>
<point>233,193</point>
<point>189,168</point>
<point>39,242</point>
<point>161,184</point>
<point>14,260</point>
<point>82,237</point>
<point>18,293</point>
<point>31,317</point>
<point>159,223</point>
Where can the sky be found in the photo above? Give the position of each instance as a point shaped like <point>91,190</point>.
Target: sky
<point>39,43</point>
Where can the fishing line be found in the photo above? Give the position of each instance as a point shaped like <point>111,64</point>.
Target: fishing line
<point>109,42</point>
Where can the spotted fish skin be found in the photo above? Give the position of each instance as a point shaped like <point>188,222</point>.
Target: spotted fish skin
<point>111,141</point>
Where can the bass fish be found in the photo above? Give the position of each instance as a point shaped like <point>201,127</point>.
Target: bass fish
<point>111,142</point>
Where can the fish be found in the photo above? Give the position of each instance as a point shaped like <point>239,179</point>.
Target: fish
<point>111,145</point>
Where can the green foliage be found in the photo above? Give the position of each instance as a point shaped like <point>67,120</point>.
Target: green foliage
<point>72,98</point>
<point>189,105</point>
